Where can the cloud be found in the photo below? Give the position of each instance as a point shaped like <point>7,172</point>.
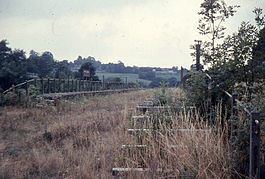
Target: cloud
<point>144,33</point>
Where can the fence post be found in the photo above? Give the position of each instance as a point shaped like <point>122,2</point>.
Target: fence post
<point>234,114</point>
<point>103,82</point>
<point>48,85</point>
<point>42,86</point>
<point>78,84</point>
<point>254,156</point>
<point>126,82</point>
<point>68,84</point>
<point>59,85</point>
<point>27,88</point>
<point>54,85</point>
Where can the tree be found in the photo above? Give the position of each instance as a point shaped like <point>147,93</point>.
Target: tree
<point>46,64</point>
<point>12,66</point>
<point>213,13</point>
<point>240,53</point>
<point>62,69</point>
<point>257,64</point>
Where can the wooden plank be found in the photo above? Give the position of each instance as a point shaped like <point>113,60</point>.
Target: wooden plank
<point>140,117</point>
<point>148,103</point>
<point>145,146</point>
<point>134,146</point>
<point>152,107</point>
<point>118,170</point>
<point>131,131</point>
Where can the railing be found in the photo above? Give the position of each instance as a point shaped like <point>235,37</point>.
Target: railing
<point>52,85</point>
<point>254,118</point>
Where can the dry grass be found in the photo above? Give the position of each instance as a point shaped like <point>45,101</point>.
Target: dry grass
<point>87,136</point>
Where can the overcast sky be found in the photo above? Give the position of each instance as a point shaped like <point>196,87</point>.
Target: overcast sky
<point>137,32</point>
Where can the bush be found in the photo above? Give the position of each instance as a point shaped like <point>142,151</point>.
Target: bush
<point>196,89</point>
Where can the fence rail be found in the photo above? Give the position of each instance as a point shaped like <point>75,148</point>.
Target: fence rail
<point>57,88</point>
<point>53,85</point>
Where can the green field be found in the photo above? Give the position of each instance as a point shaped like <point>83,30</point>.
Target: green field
<point>131,77</point>
<point>168,75</point>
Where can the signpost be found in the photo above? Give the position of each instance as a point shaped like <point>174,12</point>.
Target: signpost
<point>86,74</point>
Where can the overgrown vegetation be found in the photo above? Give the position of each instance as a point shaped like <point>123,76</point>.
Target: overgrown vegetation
<point>83,139</point>
<point>235,64</point>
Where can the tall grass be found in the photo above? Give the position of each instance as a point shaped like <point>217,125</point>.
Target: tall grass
<point>86,138</point>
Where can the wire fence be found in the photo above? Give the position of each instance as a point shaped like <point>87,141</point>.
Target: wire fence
<point>254,119</point>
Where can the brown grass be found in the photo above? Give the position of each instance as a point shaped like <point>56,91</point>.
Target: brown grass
<point>87,136</point>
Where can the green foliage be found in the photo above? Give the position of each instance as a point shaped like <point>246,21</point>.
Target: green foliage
<point>43,64</point>
<point>257,63</point>
<point>62,70</point>
<point>12,66</point>
<point>213,14</point>
<point>196,88</point>
<point>163,96</point>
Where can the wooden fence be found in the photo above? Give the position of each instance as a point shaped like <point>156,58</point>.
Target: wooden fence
<point>52,87</point>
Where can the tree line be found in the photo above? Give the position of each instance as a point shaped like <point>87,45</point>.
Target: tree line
<point>16,67</point>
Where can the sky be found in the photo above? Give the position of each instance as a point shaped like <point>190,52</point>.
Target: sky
<point>137,32</point>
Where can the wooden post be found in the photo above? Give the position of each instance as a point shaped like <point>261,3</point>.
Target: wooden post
<point>91,85</point>
<point>103,82</point>
<point>198,55</point>
<point>19,97</point>
<point>126,82</point>
<point>54,86</point>
<point>63,85</point>
<point>181,74</point>
<point>76,85</point>
<point>254,156</point>
<point>27,89</point>
<point>79,86</point>
<point>42,86</point>
<point>72,89</point>
<point>49,89</point>
<point>234,113</point>
<point>59,85</point>
<point>68,85</point>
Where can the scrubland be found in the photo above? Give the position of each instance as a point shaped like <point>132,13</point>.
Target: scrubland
<point>82,139</point>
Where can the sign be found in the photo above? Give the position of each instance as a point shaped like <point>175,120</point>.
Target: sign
<point>86,73</point>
